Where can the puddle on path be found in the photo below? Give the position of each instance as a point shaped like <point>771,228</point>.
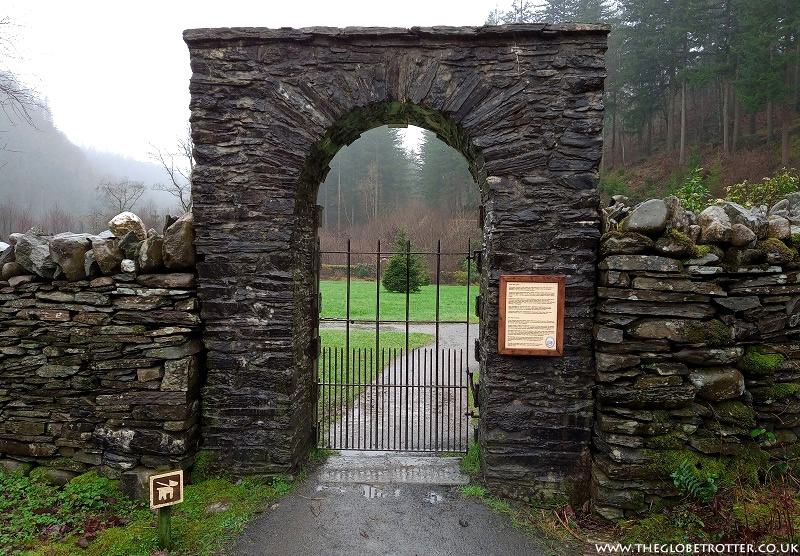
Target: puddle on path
<point>433,497</point>
<point>320,488</point>
<point>374,492</point>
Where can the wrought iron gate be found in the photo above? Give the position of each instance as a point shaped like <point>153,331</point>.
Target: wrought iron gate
<point>395,399</point>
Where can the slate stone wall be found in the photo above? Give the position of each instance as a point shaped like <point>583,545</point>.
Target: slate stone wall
<point>697,346</point>
<point>100,374</point>
<point>271,107</point>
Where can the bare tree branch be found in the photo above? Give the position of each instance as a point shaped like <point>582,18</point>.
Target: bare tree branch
<point>179,166</point>
<point>16,99</point>
<point>120,196</point>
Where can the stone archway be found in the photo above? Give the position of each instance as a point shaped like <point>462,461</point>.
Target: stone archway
<point>270,108</point>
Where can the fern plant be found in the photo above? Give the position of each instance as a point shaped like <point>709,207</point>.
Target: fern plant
<point>700,486</point>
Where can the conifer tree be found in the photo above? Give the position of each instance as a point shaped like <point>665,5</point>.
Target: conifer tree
<point>406,272</point>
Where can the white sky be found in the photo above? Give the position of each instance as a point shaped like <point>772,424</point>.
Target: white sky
<point>116,74</point>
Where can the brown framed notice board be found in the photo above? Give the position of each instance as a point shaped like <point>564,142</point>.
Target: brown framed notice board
<point>531,315</point>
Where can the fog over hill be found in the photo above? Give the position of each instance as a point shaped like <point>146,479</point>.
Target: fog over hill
<point>41,170</point>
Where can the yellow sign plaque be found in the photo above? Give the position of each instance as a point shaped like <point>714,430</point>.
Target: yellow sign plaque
<point>531,315</point>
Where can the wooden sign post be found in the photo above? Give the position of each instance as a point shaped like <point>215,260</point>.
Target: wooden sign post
<point>166,490</point>
<point>531,320</point>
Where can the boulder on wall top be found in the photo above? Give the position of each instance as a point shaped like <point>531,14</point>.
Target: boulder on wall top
<point>126,222</point>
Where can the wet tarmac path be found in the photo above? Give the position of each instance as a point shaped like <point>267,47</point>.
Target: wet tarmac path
<point>364,504</point>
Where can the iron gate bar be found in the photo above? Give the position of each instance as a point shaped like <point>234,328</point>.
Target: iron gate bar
<point>404,382</point>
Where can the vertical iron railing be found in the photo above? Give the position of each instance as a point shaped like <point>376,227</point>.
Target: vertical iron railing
<point>395,399</point>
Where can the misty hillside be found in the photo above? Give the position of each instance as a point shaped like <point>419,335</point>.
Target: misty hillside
<point>41,170</point>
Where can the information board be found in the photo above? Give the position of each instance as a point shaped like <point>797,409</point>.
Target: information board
<point>531,315</point>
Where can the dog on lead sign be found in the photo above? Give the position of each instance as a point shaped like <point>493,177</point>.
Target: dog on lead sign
<point>166,489</point>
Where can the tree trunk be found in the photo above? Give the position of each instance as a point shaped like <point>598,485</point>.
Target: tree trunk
<point>726,89</point>
<point>670,119</point>
<point>737,113</point>
<point>325,210</point>
<point>797,78</point>
<point>614,139</point>
<point>339,199</point>
<point>785,144</point>
<point>682,154</point>
<point>769,123</point>
<point>648,138</point>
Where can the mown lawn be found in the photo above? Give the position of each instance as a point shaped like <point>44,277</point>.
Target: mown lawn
<point>453,304</point>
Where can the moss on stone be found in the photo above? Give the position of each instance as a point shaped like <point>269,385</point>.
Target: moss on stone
<point>736,413</point>
<point>665,442</point>
<point>611,234</point>
<point>795,241</point>
<point>756,362</point>
<point>778,250</point>
<point>661,415</point>
<point>784,389</point>
<point>207,466</point>
<point>702,250</point>
<point>678,236</point>
<point>710,333</point>
<point>746,467</point>
<point>769,394</point>
<point>749,464</point>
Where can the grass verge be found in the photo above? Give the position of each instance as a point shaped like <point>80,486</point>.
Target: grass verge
<point>740,513</point>
<point>90,516</point>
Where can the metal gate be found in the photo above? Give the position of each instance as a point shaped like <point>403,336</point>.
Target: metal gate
<point>390,398</point>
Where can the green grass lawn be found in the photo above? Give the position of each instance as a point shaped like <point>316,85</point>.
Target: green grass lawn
<point>422,305</point>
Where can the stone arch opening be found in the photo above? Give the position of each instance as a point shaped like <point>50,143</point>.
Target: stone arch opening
<point>269,110</point>
<point>345,132</point>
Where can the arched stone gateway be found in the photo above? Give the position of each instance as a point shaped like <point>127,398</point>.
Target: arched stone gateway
<point>270,108</point>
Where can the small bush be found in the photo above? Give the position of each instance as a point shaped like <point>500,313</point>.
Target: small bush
<point>768,192</point>
<point>693,193</point>
<point>363,271</point>
<point>406,272</point>
<point>613,184</point>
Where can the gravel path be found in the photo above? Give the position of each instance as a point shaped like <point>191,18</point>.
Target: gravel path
<point>418,403</point>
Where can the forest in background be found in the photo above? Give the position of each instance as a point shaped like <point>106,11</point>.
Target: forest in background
<point>710,83</point>
<point>379,186</point>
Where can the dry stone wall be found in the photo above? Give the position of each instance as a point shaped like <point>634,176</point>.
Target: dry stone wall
<point>697,346</point>
<point>100,369</point>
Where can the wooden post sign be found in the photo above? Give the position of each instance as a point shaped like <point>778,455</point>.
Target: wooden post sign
<point>166,490</point>
<point>531,315</point>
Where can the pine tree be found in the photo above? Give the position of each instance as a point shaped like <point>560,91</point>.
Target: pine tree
<point>446,183</point>
<point>406,272</point>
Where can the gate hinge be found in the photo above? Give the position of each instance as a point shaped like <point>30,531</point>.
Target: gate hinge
<point>481,215</point>
<point>477,350</point>
<point>477,256</point>
<point>318,214</point>
<point>478,306</point>
<point>315,348</point>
